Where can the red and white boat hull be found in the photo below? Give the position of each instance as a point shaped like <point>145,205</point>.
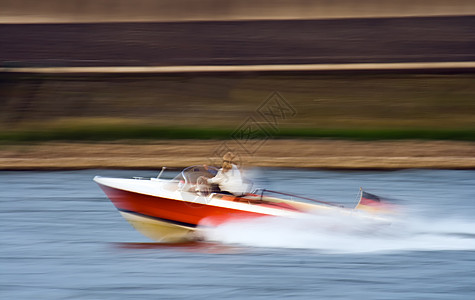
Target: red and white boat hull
<point>166,214</point>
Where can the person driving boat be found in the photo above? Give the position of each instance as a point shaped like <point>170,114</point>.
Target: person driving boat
<point>228,178</point>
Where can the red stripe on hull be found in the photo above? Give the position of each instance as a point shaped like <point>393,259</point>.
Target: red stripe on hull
<point>174,210</point>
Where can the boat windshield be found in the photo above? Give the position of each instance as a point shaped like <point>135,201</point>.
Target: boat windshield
<point>188,178</point>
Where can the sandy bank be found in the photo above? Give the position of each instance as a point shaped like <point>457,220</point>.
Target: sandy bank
<point>333,154</point>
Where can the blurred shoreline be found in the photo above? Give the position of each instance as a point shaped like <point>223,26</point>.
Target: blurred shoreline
<point>323,154</point>
<point>84,11</point>
<point>383,71</point>
<point>49,107</point>
<point>426,67</point>
<point>343,45</point>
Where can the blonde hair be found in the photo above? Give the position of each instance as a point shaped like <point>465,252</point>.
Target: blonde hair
<point>228,160</point>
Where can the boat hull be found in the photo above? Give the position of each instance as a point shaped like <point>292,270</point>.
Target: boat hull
<point>167,211</point>
<point>160,231</point>
<point>161,211</point>
<point>170,220</point>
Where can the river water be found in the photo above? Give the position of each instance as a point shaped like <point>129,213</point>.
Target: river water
<point>62,239</point>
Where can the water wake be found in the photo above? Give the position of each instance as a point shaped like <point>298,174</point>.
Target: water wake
<point>342,233</point>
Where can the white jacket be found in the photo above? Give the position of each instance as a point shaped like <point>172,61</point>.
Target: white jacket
<point>230,181</point>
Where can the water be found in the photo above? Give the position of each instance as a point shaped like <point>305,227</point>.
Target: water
<point>62,239</point>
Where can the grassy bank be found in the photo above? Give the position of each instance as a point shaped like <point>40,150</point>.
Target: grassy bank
<point>111,133</point>
<point>203,106</point>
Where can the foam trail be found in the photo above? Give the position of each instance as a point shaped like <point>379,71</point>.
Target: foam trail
<point>342,233</point>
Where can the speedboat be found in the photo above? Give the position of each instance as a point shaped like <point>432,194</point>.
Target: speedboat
<point>175,210</point>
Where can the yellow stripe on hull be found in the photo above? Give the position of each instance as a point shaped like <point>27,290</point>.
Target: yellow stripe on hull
<point>160,231</point>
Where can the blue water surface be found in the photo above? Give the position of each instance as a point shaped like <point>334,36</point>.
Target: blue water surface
<point>61,238</point>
